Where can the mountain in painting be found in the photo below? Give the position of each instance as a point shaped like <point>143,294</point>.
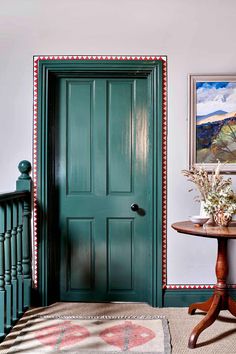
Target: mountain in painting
<point>216,118</point>
<point>216,138</point>
<point>210,114</point>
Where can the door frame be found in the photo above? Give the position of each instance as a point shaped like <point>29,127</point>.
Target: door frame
<point>46,70</point>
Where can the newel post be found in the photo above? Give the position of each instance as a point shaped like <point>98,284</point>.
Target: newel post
<point>24,183</point>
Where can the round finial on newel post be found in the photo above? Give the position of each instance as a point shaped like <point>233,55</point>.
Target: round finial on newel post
<point>24,167</point>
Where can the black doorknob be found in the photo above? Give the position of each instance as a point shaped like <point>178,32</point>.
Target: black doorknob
<point>134,207</point>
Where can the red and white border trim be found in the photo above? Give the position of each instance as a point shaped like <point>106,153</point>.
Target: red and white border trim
<point>194,286</point>
<point>35,143</point>
<point>188,286</point>
<point>99,57</point>
<point>35,179</point>
<point>164,174</point>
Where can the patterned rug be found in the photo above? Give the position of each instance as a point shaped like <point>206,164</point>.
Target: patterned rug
<point>94,335</point>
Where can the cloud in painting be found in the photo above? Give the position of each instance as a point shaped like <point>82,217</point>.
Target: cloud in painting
<point>215,96</point>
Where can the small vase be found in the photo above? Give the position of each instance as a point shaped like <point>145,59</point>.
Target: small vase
<point>221,219</point>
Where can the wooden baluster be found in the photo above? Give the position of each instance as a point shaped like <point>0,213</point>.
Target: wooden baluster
<point>19,257</point>
<point>2,271</point>
<point>7,248</point>
<point>24,183</point>
<point>26,254</point>
<point>14,261</point>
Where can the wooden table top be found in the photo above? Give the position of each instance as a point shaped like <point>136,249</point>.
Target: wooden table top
<point>187,227</point>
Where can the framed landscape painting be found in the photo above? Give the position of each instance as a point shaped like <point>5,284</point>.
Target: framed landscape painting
<point>212,109</point>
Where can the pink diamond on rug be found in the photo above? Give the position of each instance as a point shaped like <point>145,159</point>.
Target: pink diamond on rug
<point>94,335</point>
<point>61,335</point>
<point>127,335</point>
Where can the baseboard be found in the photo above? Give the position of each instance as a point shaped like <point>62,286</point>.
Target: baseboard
<point>185,297</point>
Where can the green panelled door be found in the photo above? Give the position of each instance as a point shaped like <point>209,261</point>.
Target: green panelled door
<point>105,159</point>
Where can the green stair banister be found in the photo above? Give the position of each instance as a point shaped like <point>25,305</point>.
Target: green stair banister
<point>24,183</point>
<point>15,250</point>
<point>2,272</point>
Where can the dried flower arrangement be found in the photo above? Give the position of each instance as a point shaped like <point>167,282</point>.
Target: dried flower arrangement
<point>215,191</point>
<point>222,205</point>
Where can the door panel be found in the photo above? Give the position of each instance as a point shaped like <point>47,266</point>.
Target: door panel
<point>120,136</point>
<point>79,113</point>
<point>104,165</point>
<point>120,254</point>
<point>79,244</point>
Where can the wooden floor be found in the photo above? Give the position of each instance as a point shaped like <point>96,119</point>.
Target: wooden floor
<point>219,338</point>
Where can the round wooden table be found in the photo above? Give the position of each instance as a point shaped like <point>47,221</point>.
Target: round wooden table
<point>220,300</point>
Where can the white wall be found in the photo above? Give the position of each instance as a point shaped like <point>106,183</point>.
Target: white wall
<point>197,35</point>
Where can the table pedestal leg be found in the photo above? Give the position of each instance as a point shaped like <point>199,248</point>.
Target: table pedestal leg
<point>220,300</point>
<point>206,321</point>
<point>232,306</point>
<point>203,306</point>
